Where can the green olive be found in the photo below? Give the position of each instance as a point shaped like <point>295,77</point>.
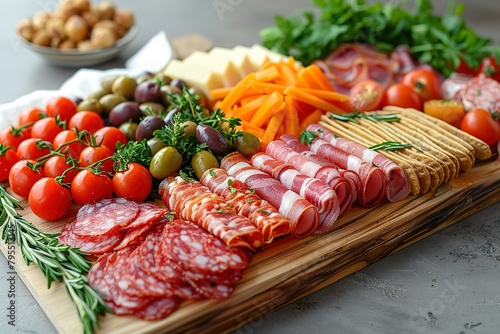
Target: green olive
<point>165,162</point>
<point>96,95</point>
<point>124,86</point>
<point>107,83</point>
<point>90,105</point>
<point>155,144</point>
<point>166,90</point>
<point>109,101</point>
<point>189,128</point>
<point>129,128</point>
<point>247,144</point>
<point>202,161</point>
<point>155,107</point>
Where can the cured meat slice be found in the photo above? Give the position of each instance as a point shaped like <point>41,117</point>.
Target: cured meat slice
<point>104,216</point>
<point>192,248</point>
<point>211,289</point>
<point>264,216</point>
<point>159,308</point>
<point>344,188</point>
<point>453,86</point>
<point>303,216</point>
<point>211,212</point>
<point>398,186</point>
<point>314,190</point>
<point>482,92</point>
<point>94,245</point>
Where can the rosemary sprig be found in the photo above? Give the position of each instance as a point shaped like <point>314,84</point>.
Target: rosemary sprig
<point>58,262</point>
<point>374,117</point>
<point>389,146</point>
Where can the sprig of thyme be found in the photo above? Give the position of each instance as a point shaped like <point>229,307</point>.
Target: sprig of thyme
<point>374,117</point>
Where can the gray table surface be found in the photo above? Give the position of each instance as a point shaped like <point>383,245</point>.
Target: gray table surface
<point>446,283</point>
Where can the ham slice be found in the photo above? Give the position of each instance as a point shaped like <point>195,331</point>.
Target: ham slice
<point>314,190</point>
<point>345,187</point>
<point>303,216</point>
<point>194,202</point>
<point>398,186</point>
<point>265,217</point>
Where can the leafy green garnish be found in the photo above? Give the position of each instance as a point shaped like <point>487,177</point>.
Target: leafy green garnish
<point>389,146</point>
<point>132,151</point>
<point>441,41</point>
<point>307,137</point>
<point>374,117</point>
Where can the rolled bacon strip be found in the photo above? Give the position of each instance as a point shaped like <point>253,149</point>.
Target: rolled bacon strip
<point>344,188</point>
<point>373,182</point>
<point>265,217</point>
<point>314,190</point>
<point>194,202</point>
<point>398,186</point>
<point>303,216</point>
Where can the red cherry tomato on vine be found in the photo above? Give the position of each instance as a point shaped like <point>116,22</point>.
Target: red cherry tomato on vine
<point>61,106</point>
<point>134,184</point>
<point>74,149</point>
<point>29,149</point>
<point>367,95</point>
<point>88,187</point>
<point>86,120</point>
<point>14,136</point>
<point>109,135</point>
<point>46,129</point>
<point>481,124</point>
<point>92,155</point>
<point>490,68</point>
<point>56,166</point>
<point>402,96</point>
<point>22,178</point>
<point>426,83</point>
<point>48,199</point>
<point>30,115</point>
<point>8,157</point>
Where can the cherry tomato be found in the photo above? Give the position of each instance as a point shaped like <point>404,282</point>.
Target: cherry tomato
<point>29,149</point>
<point>402,96</point>
<point>367,95</point>
<point>57,165</point>
<point>481,124</point>
<point>425,82</point>
<point>48,199</point>
<point>109,135</point>
<point>74,149</point>
<point>8,157</point>
<point>92,154</point>
<point>86,120</point>
<point>46,129</point>
<point>22,178</point>
<point>14,136</point>
<point>88,187</point>
<point>30,115</point>
<point>450,111</point>
<point>125,183</point>
<point>61,106</point>
<point>490,68</point>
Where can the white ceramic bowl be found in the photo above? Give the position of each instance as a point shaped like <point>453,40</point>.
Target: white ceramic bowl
<point>76,58</point>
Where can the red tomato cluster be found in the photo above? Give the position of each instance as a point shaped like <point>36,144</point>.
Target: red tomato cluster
<point>59,155</point>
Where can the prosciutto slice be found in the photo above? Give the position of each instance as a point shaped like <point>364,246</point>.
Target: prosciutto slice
<point>344,188</point>
<point>303,216</point>
<point>314,190</point>
<point>398,185</point>
<point>194,202</point>
<point>266,217</point>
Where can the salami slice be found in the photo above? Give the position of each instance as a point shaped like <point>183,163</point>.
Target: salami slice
<point>397,183</point>
<point>94,245</point>
<point>303,216</point>
<point>159,308</point>
<point>211,289</point>
<point>263,215</point>
<point>482,92</point>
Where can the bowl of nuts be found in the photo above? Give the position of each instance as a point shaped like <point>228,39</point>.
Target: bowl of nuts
<point>78,33</point>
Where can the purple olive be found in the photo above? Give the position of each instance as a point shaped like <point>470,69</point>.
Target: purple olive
<point>147,126</point>
<point>124,112</point>
<point>178,83</point>
<point>147,92</point>
<point>170,115</point>
<point>213,138</point>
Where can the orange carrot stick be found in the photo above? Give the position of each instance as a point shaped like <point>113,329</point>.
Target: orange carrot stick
<point>272,128</point>
<point>328,95</point>
<point>311,118</point>
<point>312,100</point>
<point>267,74</point>
<point>235,94</point>
<point>272,105</point>
<point>291,117</point>
<point>220,93</point>
<point>321,80</point>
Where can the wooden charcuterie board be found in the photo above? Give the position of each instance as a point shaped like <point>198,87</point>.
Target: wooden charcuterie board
<point>291,268</point>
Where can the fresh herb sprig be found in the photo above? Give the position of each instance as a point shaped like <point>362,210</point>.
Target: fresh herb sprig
<point>58,262</point>
<point>389,146</point>
<point>441,41</point>
<point>374,117</point>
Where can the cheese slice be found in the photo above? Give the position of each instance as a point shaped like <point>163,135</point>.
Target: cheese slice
<point>257,57</point>
<point>273,56</point>
<point>240,60</point>
<point>201,77</point>
<point>222,67</point>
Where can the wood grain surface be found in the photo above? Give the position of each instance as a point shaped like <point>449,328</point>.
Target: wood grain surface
<point>290,268</point>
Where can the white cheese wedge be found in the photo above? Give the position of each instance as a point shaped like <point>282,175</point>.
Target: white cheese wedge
<point>257,57</point>
<point>273,56</point>
<point>239,59</point>
<point>194,75</point>
<point>222,67</point>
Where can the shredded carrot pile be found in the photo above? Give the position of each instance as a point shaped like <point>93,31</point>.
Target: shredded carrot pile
<point>280,98</point>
